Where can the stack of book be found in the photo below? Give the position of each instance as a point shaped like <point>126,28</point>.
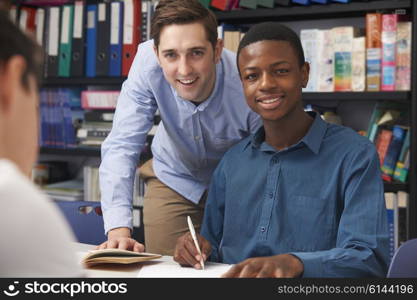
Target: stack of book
<point>98,116</point>
<point>388,130</point>
<point>70,190</point>
<point>342,59</point>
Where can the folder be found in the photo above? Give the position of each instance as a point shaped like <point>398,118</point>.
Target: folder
<point>78,40</point>
<point>116,24</point>
<point>52,47</point>
<point>221,4</point>
<point>103,39</point>
<point>27,19</point>
<point>205,3</point>
<point>66,40</point>
<point>266,3</point>
<point>131,26</point>
<point>40,25</point>
<point>253,4</point>
<point>91,40</point>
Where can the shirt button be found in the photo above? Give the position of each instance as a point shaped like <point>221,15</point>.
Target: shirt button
<point>271,194</point>
<point>197,137</point>
<point>262,229</point>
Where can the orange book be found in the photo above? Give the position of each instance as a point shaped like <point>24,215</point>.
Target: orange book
<point>373,51</point>
<point>382,143</point>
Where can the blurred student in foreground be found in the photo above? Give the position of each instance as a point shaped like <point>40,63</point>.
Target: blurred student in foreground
<point>300,197</point>
<point>36,241</point>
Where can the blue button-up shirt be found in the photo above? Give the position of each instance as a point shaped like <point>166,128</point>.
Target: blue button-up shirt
<point>320,199</point>
<point>189,142</point>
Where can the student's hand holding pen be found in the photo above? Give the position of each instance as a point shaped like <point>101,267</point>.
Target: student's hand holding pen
<point>186,254</point>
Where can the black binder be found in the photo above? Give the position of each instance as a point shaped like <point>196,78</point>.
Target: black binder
<point>78,40</point>
<point>103,39</point>
<point>52,35</point>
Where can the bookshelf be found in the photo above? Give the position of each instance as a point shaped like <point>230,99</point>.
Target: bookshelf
<point>287,14</point>
<point>351,10</point>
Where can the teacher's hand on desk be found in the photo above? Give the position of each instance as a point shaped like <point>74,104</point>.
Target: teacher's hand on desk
<point>120,238</point>
<point>186,253</point>
<point>278,266</point>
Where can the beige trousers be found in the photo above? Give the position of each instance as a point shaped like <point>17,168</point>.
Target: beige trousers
<point>165,213</point>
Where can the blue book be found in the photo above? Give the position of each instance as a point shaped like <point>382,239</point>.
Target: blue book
<point>91,40</point>
<point>391,208</point>
<point>116,42</point>
<point>341,1</point>
<point>393,152</point>
<point>43,135</point>
<point>321,1</point>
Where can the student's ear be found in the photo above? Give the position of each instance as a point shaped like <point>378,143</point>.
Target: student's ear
<point>11,81</point>
<point>218,49</point>
<point>305,72</point>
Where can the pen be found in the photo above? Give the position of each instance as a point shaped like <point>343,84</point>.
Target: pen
<point>192,231</point>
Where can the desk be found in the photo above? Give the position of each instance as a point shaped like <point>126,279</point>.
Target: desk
<point>164,267</point>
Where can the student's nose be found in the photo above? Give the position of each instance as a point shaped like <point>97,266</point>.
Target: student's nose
<point>267,81</point>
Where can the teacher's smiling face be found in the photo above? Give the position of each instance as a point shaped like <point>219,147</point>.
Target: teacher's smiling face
<point>188,60</point>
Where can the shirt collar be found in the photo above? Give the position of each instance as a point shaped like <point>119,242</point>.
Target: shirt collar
<point>313,139</point>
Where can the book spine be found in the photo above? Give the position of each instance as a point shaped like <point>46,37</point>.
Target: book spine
<point>373,51</point>
<point>394,149</point>
<point>325,70</point>
<point>99,99</point>
<point>403,59</point>
<point>390,208</point>
<point>382,143</point>
<point>358,64</point>
<point>388,38</point>
<point>343,42</point>
<point>310,42</point>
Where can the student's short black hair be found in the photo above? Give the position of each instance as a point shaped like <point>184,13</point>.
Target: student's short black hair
<point>14,42</point>
<point>275,32</point>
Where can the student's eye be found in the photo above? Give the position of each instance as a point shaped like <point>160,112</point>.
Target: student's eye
<point>281,71</point>
<point>250,77</point>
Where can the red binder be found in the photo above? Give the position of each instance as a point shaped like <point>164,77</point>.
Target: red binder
<point>131,33</point>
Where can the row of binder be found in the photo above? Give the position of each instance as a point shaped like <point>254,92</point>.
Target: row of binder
<point>92,40</point>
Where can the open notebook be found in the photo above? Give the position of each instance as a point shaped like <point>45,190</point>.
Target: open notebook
<point>116,256</point>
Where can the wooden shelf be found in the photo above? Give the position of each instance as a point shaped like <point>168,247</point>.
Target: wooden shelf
<point>393,187</point>
<point>314,11</point>
<point>359,96</point>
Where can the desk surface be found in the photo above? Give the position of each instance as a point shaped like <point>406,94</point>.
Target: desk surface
<point>165,267</point>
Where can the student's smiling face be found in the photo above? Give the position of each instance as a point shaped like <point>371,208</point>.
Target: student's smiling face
<point>272,78</point>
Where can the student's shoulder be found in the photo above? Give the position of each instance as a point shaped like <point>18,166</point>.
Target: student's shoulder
<point>237,151</point>
<point>348,139</point>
